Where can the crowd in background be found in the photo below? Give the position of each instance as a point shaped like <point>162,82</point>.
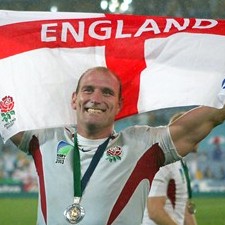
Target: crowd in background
<point>179,8</point>
<point>16,168</point>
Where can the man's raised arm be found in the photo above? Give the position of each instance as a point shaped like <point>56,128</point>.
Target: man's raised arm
<point>194,126</point>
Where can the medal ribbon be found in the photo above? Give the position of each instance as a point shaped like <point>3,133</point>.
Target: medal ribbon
<point>80,185</point>
<point>76,170</point>
<point>187,178</point>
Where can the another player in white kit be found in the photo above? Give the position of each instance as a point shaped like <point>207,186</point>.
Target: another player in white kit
<point>169,201</point>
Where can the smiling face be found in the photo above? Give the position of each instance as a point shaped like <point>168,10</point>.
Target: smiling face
<point>97,102</point>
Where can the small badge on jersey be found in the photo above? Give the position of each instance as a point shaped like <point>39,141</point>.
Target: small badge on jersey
<point>7,111</point>
<point>114,154</point>
<point>63,149</point>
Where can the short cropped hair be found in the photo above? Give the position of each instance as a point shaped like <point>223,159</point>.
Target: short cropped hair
<point>101,69</point>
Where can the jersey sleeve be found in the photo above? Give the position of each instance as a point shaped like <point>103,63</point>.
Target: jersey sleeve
<point>42,136</point>
<point>160,183</point>
<point>147,136</point>
<point>162,136</point>
<point>25,142</point>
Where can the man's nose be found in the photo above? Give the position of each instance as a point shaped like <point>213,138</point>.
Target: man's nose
<point>96,96</point>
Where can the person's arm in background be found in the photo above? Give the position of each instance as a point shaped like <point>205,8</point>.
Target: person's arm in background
<point>189,219</point>
<point>162,190</point>
<point>157,212</point>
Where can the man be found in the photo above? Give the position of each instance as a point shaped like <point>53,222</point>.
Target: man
<point>117,185</point>
<point>169,200</point>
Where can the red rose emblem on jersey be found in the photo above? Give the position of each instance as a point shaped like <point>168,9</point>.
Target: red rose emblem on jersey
<point>6,104</point>
<point>7,111</point>
<point>114,154</point>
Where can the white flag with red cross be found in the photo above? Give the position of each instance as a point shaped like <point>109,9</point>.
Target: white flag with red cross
<point>162,62</point>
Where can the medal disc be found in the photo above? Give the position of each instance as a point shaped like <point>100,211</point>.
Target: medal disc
<point>74,213</point>
<point>191,207</point>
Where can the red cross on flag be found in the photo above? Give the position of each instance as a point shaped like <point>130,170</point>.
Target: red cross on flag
<point>162,62</point>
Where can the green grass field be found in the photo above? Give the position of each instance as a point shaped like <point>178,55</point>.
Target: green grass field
<point>210,211</point>
<point>22,211</point>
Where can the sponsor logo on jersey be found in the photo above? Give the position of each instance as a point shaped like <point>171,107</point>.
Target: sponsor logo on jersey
<point>63,150</point>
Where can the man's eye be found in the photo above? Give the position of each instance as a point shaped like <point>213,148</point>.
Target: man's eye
<point>88,90</point>
<point>108,92</point>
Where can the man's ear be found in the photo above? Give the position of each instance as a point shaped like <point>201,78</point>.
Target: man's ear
<point>73,101</point>
<point>120,106</point>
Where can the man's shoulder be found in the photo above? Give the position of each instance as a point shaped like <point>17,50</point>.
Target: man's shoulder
<point>139,130</point>
<point>48,133</point>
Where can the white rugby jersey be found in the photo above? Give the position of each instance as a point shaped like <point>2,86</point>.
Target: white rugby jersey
<point>170,181</point>
<point>117,190</point>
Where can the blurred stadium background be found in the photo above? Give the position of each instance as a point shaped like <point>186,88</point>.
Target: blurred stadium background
<point>18,184</point>
<point>184,8</point>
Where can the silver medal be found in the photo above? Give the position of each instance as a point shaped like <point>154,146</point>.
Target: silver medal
<point>75,212</point>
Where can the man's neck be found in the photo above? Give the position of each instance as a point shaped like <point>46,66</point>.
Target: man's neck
<point>94,133</point>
